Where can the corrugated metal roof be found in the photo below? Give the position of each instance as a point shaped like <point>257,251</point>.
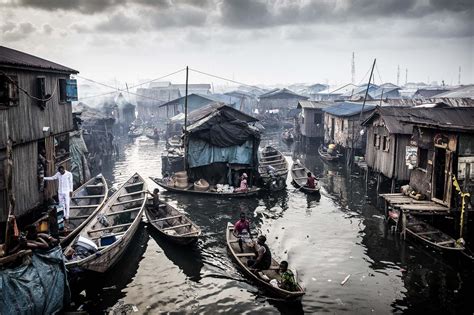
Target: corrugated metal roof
<point>462,92</point>
<point>282,91</point>
<point>400,120</point>
<point>314,104</point>
<point>12,57</point>
<point>346,109</point>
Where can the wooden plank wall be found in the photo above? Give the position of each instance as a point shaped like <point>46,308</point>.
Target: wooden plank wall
<point>25,178</point>
<point>27,120</point>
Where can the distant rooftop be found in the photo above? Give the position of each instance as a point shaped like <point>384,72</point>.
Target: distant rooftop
<point>11,57</point>
<point>314,104</point>
<point>461,92</point>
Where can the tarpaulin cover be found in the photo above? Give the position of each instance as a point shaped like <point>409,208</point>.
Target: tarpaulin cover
<point>227,133</point>
<point>201,153</point>
<point>39,287</point>
<point>78,149</point>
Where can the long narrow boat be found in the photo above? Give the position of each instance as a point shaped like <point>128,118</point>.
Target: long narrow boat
<point>432,236</point>
<point>104,239</point>
<point>272,273</point>
<point>299,176</point>
<point>85,202</point>
<point>137,132</point>
<point>327,156</point>
<point>252,191</point>
<point>273,168</point>
<point>172,224</point>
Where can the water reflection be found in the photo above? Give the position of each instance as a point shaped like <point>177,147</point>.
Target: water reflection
<point>187,258</point>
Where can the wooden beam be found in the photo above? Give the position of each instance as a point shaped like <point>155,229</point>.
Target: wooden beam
<point>189,233</point>
<point>133,185</point>
<point>133,193</point>
<point>123,211</point>
<point>109,228</point>
<point>176,227</point>
<point>428,232</point>
<point>445,242</point>
<point>99,237</point>
<point>84,206</point>
<point>79,217</point>
<point>127,201</point>
<point>88,196</point>
<point>245,255</point>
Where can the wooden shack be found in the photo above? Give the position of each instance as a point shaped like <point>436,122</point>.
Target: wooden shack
<point>387,138</point>
<point>442,146</point>
<point>176,106</point>
<point>281,100</point>
<point>342,125</point>
<point>310,122</point>
<point>36,117</point>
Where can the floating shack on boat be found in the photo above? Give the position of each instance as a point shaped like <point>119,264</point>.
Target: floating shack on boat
<point>220,144</point>
<point>36,116</point>
<point>309,124</point>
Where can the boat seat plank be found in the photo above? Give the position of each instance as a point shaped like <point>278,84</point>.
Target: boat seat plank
<point>189,233</point>
<point>123,211</point>
<point>270,156</point>
<point>297,169</point>
<point>94,186</point>
<point>87,196</point>
<point>276,162</point>
<point>428,232</point>
<point>133,185</point>
<point>393,194</point>
<point>127,201</point>
<point>244,255</point>
<point>297,178</point>
<point>133,193</point>
<point>176,227</point>
<point>84,206</point>
<point>109,228</point>
<point>445,242</point>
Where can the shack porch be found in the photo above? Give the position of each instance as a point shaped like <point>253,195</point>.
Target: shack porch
<point>399,201</point>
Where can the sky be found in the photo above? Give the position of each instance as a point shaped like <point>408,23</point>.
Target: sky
<point>249,41</point>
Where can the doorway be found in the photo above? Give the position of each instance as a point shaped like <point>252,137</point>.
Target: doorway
<point>439,176</point>
<point>333,126</point>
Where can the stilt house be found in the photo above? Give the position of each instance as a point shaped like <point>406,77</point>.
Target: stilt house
<point>35,121</point>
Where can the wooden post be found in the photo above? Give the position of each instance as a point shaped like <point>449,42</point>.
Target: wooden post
<point>465,190</point>
<point>392,188</point>
<point>403,233</point>
<point>185,119</point>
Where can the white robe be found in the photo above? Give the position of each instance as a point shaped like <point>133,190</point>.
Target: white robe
<point>65,187</point>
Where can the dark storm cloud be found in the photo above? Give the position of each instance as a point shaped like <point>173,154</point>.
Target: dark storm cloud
<point>453,5</point>
<point>83,6</point>
<point>13,32</point>
<point>119,23</point>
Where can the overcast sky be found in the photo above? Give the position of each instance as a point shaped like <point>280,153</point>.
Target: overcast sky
<point>252,41</point>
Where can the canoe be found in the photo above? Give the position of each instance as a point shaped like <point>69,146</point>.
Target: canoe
<point>430,235</point>
<point>137,132</point>
<point>328,157</point>
<point>110,231</point>
<point>276,179</point>
<point>299,176</point>
<point>85,202</point>
<point>211,192</point>
<point>172,224</point>
<point>272,273</point>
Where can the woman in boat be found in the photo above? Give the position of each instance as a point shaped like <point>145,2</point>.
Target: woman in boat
<point>310,181</point>
<point>242,231</point>
<point>243,184</point>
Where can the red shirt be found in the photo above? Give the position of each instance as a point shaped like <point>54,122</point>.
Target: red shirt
<point>311,182</point>
<point>239,226</point>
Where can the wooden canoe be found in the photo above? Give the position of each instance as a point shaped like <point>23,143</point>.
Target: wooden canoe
<point>430,235</point>
<point>123,211</point>
<point>276,179</point>
<point>211,192</point>
<point>272,273</point>
<point>299,176</point>
<point>172,224</point>
<point>328,157</point>
<point>86,201</point>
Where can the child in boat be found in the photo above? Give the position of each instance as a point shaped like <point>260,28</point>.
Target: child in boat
<point>243,184</point>
<point>242,231</point>
<point>310,181</point>
<point>288,281</point>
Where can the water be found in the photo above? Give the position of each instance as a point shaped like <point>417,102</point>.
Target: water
<point>325,239</point>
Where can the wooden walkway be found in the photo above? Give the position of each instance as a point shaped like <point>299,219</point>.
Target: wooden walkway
<point>407,204</point>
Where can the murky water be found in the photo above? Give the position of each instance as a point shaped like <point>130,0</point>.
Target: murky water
<point>325,239</point>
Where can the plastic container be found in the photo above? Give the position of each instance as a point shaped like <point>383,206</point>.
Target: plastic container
<point>107,240</point>
<point>87,243</point>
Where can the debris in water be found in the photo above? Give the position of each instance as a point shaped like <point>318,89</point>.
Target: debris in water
<point>345,279</point>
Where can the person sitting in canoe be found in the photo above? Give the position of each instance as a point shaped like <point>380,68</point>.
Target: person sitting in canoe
<point>310,181</point>
<point>243,184</point>
<point>264,256</point>
<point>242,231</point>
<point>288,281</point>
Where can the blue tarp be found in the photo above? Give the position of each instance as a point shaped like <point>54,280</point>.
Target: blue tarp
<point>37,287</point>
<point>201,153</point>
<point>345,109</point>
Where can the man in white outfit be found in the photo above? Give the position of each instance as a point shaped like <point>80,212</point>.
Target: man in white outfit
<point>65,188</point>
